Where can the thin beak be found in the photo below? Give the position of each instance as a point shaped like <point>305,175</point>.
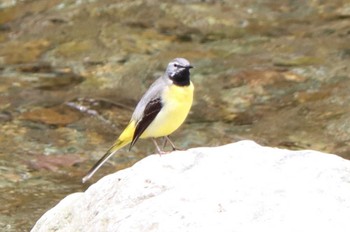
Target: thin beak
<point>190,66</point>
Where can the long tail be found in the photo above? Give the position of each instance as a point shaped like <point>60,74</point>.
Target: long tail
<point>124,139</point>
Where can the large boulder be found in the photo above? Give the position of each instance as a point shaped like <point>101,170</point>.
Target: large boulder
<point>237,187</point>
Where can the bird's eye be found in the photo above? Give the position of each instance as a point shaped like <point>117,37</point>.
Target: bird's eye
<point>175,65</point>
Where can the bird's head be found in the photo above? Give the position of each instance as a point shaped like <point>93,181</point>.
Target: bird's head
<point>178,70</point>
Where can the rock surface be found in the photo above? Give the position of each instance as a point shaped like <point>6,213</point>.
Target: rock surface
<point>237,187</point>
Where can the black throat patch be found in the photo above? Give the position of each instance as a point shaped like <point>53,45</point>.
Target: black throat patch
<point>182,78</point>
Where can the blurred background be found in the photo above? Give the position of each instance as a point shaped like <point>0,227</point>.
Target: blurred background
<point>72,71</point>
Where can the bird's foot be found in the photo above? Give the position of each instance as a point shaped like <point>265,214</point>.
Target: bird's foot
<point>163,152</point>
<point>167,139</point>
<point>160,152</point>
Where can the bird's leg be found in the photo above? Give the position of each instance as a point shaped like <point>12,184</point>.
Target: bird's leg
<point>171,143</point>
<point>160,152</point>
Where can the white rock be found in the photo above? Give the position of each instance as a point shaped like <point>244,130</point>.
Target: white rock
<point>238,187</point>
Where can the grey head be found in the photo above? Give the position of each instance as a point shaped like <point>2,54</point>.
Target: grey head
<point>178,71</point>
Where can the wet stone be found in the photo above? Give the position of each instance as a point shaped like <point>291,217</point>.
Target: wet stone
<point>59,116</point>
<point>26,52</point>
<point>53,162</point>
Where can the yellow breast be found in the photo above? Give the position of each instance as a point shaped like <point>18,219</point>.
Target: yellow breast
<point>177,102</point>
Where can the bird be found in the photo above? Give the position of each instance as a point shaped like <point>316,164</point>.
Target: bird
<point>162,110</point>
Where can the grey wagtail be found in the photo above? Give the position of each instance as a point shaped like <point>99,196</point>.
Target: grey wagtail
<point>161,110</point>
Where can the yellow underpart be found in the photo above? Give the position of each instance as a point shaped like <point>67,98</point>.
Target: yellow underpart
<point>177,102</point>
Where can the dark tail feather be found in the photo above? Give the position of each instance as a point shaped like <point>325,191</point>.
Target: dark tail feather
<point>119,144</point>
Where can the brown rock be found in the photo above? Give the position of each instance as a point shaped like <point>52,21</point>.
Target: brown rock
<point>59,115</point>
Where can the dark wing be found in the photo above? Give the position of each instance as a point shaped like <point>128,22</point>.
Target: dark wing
<point>151,111</point>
